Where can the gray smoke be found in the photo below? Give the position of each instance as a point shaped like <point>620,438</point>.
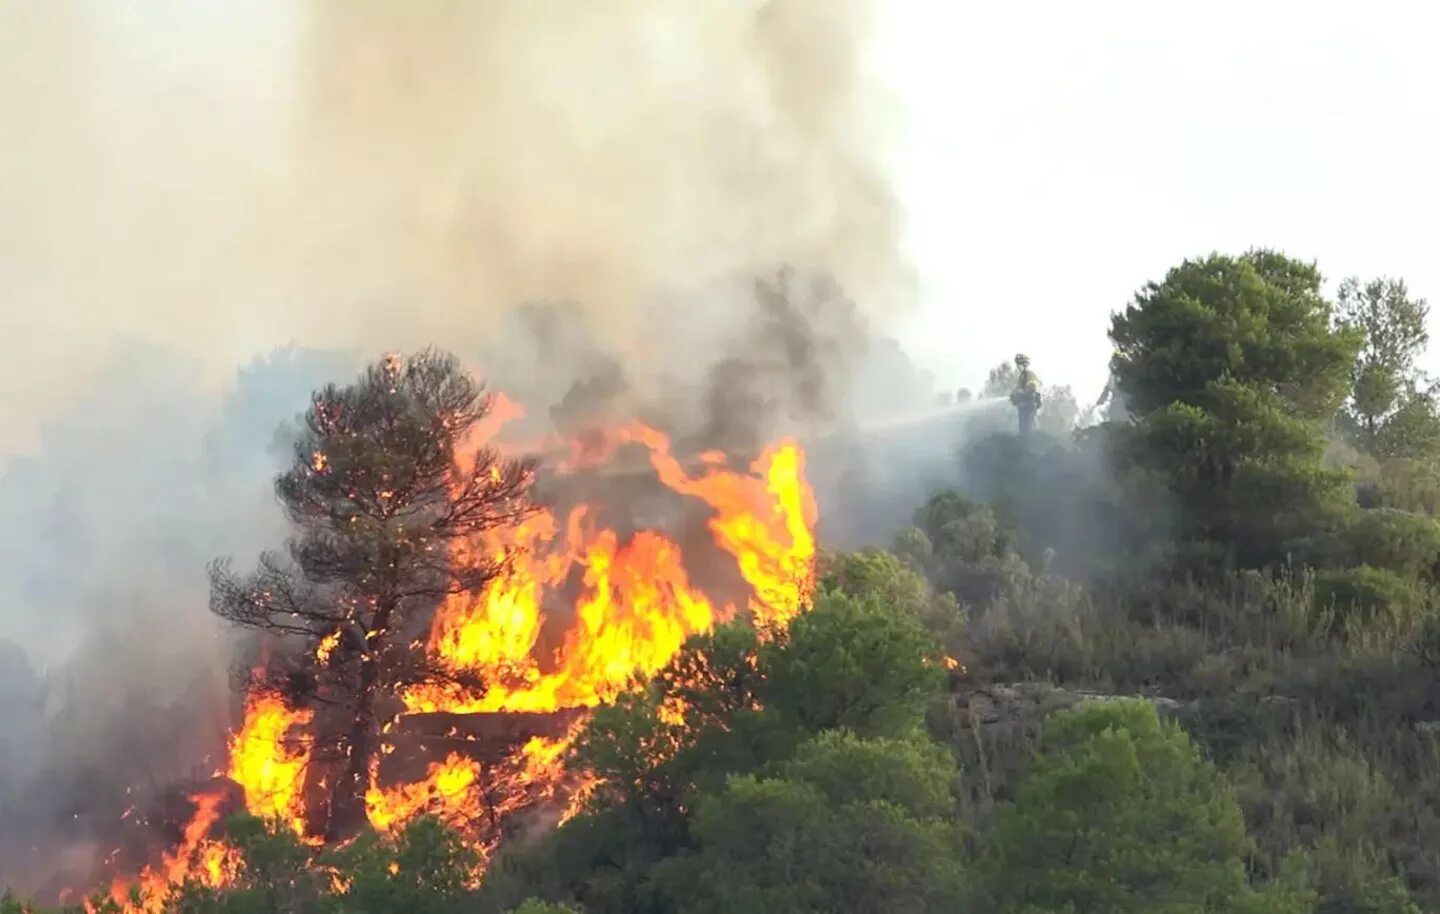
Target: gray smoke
<point>226,177</point>
<point>871,477</point>
<point>113,676</point>
<point>188,185</point>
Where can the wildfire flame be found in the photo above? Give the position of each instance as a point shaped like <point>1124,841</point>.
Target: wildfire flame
<point>268,763</point>
<point>197,858</point>
<point>638,607</point>
<point>635,608</point>
<point>765,521</point>
<point>446,792</point>
<point>472,799</point>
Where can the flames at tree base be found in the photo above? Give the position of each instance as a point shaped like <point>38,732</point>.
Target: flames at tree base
<point>580,609</point>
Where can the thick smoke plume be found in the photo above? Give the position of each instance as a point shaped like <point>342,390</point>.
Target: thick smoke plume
<point>625,155</point>
<point>207,182</point>
<point>230,176</point>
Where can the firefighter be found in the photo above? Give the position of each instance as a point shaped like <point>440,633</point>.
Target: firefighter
<point>1026,395</point>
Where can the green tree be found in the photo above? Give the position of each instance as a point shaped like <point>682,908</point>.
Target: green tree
<point>1258,320</point>
<point>425,869</point>
<point>650,767</point>
<point>846,825</point>
<point>1398,541</point>
<point>853,663</point>
<point>1059,411</point>
<point>963,548</point>
<point>276,873</point>
<point>9,904</point>
<point>1383,378</point>
<point>1412,429</point>
<point>1232,367</point>
<point>888,578</point>
<point>1120,813</point>
<point>648,760</point>
<point>1410,485</point>
<point>1248,475</point>
<point>377,493</point>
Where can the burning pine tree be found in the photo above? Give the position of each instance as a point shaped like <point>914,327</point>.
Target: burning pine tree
<point>380,496</point>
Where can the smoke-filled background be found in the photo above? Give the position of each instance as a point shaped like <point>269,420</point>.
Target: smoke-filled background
<point>220,178</point>
<point>675,210</point>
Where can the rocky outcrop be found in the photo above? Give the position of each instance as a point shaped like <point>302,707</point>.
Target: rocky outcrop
<point>995,729</point>
<point>1029,702</point>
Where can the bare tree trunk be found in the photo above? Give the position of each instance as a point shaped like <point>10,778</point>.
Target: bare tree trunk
<point>347,803</point>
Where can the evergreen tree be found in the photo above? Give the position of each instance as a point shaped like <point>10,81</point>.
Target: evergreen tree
<point>1388,413</point>
<point>1232,368</point>
<point>380,497</point>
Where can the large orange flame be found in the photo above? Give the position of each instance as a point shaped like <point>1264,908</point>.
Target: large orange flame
<point>765,521</point>
<point>476,800</point>
<point>635,608</point>
<point>198,858</point>
<point>448,791</point>
<point>269,767</point>
<point>638,606</point>
<point>268,762</point>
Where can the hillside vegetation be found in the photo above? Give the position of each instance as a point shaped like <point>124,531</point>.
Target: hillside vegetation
<point>1249,535</point>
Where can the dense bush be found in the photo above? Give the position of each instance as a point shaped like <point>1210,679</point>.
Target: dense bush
<point>1120,813</point>
<point>848,824</point>
<point>1366,599</point>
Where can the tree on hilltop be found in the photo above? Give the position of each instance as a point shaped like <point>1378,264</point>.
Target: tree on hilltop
<point>1258,320</point>
<point>1233,367</point>
<point>1392,413</point>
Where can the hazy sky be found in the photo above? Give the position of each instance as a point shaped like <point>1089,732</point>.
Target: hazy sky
<point>1054,156</point>
<point>1061,154</point>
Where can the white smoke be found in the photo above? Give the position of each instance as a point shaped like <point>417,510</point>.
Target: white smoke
<point>231,176</point>
<point>186,186</point>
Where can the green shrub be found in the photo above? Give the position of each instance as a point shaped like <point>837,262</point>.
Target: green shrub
<point>1410,485</point>
<point>847,825</point>
<point>1121,814</point>
<point>850,663</point>
<point>885,577</point>
<point>1399,541</point>
<point>1369,602</point>
<point>1042,630</point>
<point>1323,794</point>
<point>964,549</point>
